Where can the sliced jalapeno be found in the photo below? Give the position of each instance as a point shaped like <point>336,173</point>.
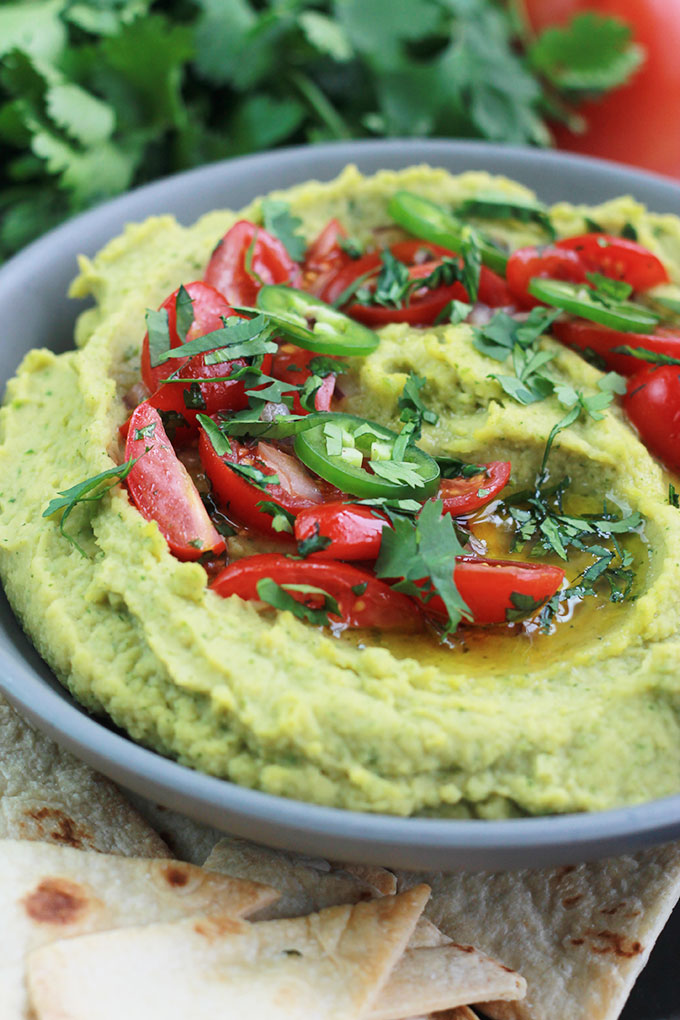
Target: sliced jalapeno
<point>426,219</point>
<point>337,449</point>
<point>577,299</point>
<point>313,324</point>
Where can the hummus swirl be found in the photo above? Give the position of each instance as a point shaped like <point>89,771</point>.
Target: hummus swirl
<point>500,724</point>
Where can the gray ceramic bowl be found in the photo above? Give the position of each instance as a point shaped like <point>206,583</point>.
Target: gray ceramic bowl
<point>36,312</point>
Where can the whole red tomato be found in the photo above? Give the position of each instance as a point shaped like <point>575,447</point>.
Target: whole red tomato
<point>636,123</point>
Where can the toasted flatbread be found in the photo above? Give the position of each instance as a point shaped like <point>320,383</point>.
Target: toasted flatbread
<point>186,839</point>
<point>46,794</point>
<point>329,966</point>
<point>50,892</point>
<point>306,884</point>
<point>441,977</point>
<point>581,934</point>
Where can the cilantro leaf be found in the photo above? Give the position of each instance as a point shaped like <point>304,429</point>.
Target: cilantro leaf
<point>279,222</point>
<point>159,335</point>
<point>89,490</point>
<point>282,519</point>
<point>673,496</point>
<point>315,543</point>
<point>219,440</point>
<point>590,54</point>
<point>278,596</point>
<point>423,554</point>
<point>184,312</point>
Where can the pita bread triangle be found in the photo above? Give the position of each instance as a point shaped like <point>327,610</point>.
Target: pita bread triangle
<point>51,892</point>
<point>327,966</point>
<point>580,934</point>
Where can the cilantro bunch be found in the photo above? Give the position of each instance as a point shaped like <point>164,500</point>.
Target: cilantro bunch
<point>97,96</point>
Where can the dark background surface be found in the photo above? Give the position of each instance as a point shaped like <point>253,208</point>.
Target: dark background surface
<point>656,996</point>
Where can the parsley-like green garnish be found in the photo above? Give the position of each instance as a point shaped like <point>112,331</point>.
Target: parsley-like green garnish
<point>505,337</point>
<point>315,543</point>
<point>219,440</point>
<point>239,338</point>
<point>282,519</point>
<point>642,354</point>
<point>608,291</point>
<point>590,54</point>
<point>423,554</point>
<point>184,312</point>
<point>159,335</point>
<point>88,491</point>
<point>253,475</point>
<point>279,221</point>
<point>524,605</point>
<point>278,596</point>
<point>193,397</point>
<point>673,496</point>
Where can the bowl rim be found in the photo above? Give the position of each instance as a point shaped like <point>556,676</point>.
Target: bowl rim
<point>469,844</point>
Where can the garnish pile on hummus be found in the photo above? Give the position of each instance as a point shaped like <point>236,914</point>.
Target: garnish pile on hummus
<point>325,504</point>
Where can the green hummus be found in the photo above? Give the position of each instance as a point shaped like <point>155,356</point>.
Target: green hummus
<point>500,724</point>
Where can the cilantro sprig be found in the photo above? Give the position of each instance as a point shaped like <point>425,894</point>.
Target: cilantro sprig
<point>102,95</point>
<point>422,553</point>
<point>88,491</point>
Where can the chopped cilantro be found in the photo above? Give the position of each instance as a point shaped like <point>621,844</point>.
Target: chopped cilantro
<point>398,471</point>
<point>282,519</point>
<point>279,221</point>
<point>88,491</point>
<point>411,403</point>
<point>184,312</point>
<point>351,247</point>
<point>359,589</point>
<point>193,398</point>
<point>146,432</point>
<point>239,338</point>
<point>505,337</point>
<point>673,496</point>
<point>524,605</point>
<point>453,312</point>
<point>315,543</point>
<point>219,440</point>
<point>422,553</point>
<point>608,291</point>
<point>590,54</point>
<point>159,335</point>
<point>322,365</point>
<point>278,596</point>
<point>253,475</point>
<point>451,467</point>
<point>629,232</point>
<point>653,357</point>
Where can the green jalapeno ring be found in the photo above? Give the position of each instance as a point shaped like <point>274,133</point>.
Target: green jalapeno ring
<point>311,446</point>
<point>576,299</point>
<point>432,222</point>
<point>311,323</point>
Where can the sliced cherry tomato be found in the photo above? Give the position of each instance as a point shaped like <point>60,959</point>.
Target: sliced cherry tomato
<point>652,402</point>
<point>290,365</point>
<point>550,262</point>
<point>295,490</point>
<point>355,532</point>
<point>465,495</point>
<point>245,258</point>
<point>325,257</point>
<point>364,601</point>
<point>425,304</point>
<point>618,258</point>
<point>636,122</point>
<point>208,307</point>
<point>162,490</point>
<point>589,336</point>
<point>486,587</point>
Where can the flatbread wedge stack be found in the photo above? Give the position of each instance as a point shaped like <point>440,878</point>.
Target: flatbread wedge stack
<point>127,931</point>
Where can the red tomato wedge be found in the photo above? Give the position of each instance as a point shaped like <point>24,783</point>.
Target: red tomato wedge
<point>425,304</point>
<point>208,307</point>
<point>290,365</point>
<point>162,490</point>
<point>355,532</point>
<point>465,495</point>
<point>325,257</point>
<point>652,402</point>
<point>486,587</point>
<point>295,490</point>
<point>363,600</point>
<point>549,262</point>
<point>618,258</point>
<point>246,258</point>
<point>589,336</point>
